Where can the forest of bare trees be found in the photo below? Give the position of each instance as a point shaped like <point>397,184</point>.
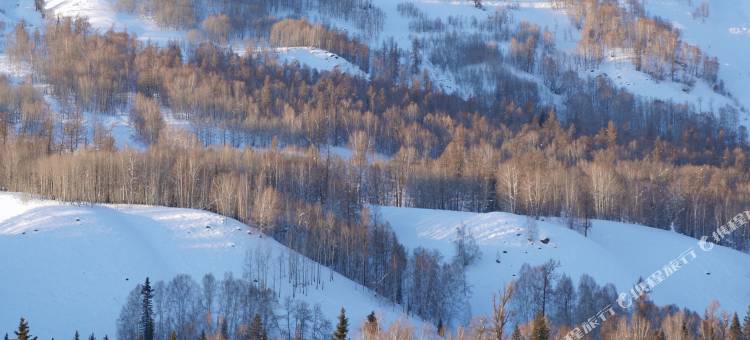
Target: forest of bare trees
<point>655,44</point>
<point>250,19</point>
<point>291,32</point>
<point>654,163</point>
<point>610,156</point>
<point>541,304</point>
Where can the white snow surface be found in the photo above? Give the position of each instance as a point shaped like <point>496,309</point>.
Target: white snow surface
<point>317,59</point>
<point>102,16</point>
<point>70,267</point>
<point>617,253</point>
<point>725,34</point>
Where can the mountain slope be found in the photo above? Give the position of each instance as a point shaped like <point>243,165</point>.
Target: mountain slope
<point>724,33</point>
<point>69,267</point>
<point>617,253</point>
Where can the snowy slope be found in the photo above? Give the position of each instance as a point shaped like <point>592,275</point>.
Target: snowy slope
<point>103,16</point>
<point>728,22</point>
<point>317,59</point>
<point>617,66</point>
<point>725,33</point>
<point>615,253</point>
<point>68,267</point>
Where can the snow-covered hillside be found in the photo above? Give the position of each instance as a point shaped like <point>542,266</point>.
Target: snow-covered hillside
<point>103,16</point>
<point>724,33</point>
<point>69,267</point>
<point>317,59</point>
<point>716,36</point>
<point>613,252</point>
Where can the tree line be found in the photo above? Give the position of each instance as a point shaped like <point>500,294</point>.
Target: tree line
<point>238,19</point>
<point>658,164</point>
<point>541,304</point>
<point>290,32</point>
<point>656,45</point>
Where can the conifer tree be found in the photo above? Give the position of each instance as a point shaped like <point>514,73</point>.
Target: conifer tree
<point>77,336</point>
<point>173,335</point>
<point>342,329</point>
<point>440,328</point>
<point>23,332</point>
<point>147,320</point>
<point>224,329</point>
<point>6,336</point>
<point>735,330</point>
<point>746,323</point>
<point>257,332</point>
<point>92,337</point>
<point>539,330</point>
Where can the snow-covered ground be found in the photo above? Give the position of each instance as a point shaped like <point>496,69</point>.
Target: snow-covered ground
<point>317,59</point>
<point>70,267</point>
<point>725,34</point>
<point>103,16</point>
<point>727,16</point>
<point>613,252</point>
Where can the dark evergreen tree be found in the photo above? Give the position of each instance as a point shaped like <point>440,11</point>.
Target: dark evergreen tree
<point>23,332</point>
<point>416,57</point>
<point>440,328</point>
<point>6,336</point>
<point>92,337</point>
<point>173,335</point>
<point>224,328</point>
<point>342,328</point>
<point>257,331</point>
<point>147,319</point>
<point>735,330</point>
<point>105,337</point>
<point>746,323</point>
<point>77,336</point>
<point>539,329</point>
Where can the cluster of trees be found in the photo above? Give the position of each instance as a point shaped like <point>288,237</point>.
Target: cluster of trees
<point>24,333</point>
<point>230,308</point>
<point>655,44</point>
<point>86,71</point>
<point>147,118</point>
<point>291,32</point>
<point>365,15</point>
<point>613,156</point>
<point>541,304</point>
<point>240,19</point>
<point>309,203</point>
<point>542,295</point>
<point>249,99</point>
